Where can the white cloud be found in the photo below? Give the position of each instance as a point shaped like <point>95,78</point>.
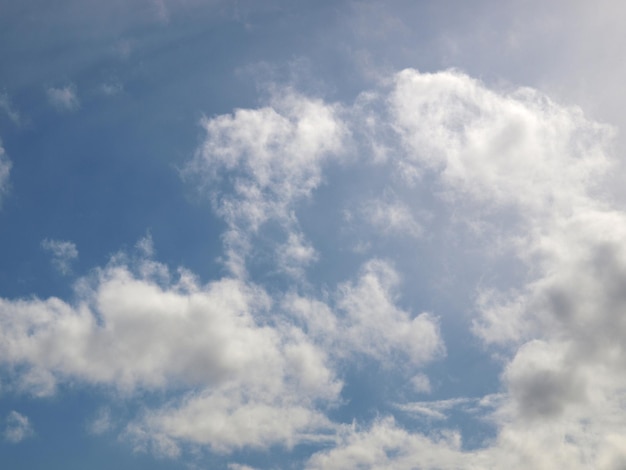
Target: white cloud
<point>516,149</point>
<point>63,253</point>
<point>232,419</point>
<point>385,446</point>
<point>375,326</point>
<point>63,98</point>
<point>544,163</point>
<point>236,466</point>
<point>421,383</point>
<point>266,160</point>
<point>135,329</point>
<point>101,423</point>
<point>17,427</point>
<point>519,170</point>
<point>295,254</point>
<point>529,171</point>
<point>365,320</point>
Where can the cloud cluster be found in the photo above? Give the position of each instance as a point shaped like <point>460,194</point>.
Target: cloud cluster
<point>130,331</point>
<point>529,171</point>
<point>252,365</point>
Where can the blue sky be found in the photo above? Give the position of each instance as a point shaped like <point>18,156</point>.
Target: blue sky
<point>323,235</point>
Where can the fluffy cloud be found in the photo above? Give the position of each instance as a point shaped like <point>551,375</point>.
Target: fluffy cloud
<point>17,428</point>
<point>63,253</point>
<point>137,328</point>
<point>264,161</point>
<point>529,172</point>
<point>518,176</point>
<point>63,98</point>
<point>518,149</point>
<point>367,320</point>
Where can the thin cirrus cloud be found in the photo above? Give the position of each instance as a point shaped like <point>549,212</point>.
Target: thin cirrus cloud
<point>252,366</point>
<point>17,428</point>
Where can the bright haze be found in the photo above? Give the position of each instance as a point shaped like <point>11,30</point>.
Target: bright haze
<point>325,235</point>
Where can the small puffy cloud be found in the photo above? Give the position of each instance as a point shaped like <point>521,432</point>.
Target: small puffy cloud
<point>63,253</point>
<point>63,98</point>
<point>364,319</point>
<point>375,326</point>
<point>17,427</point>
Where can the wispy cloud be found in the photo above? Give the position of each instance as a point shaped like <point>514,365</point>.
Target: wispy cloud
<point>5,105</point>
<point>101,423</point>
<point>5,170</point>
<point>111,88</point>
<point>17,428</point>
<point>63,253</point>
<point>63,98</point>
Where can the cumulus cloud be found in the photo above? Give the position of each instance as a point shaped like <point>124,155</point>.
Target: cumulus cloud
<point>63,253</point>
<point>364,319</point>
<point>63,98</point>
<point>530,170</point>
<point>130,331</point>
<point>265,161</point>
<point>17,427</point>
<point>516,149</point>
<point>519,175</point>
